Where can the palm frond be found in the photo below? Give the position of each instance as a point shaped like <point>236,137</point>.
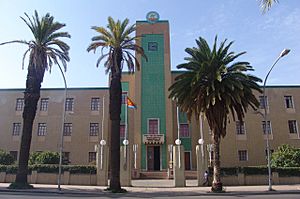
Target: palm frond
<point>213,85</point>
<point>267,4</point>
<point>116,38</point>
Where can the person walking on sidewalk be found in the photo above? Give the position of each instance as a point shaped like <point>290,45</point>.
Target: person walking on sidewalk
<point>205,178</point>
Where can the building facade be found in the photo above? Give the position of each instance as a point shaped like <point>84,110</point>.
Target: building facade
<point>151,128</point>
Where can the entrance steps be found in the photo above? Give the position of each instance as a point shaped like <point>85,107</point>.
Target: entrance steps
<point>163,175</point>
<point>154,175</point>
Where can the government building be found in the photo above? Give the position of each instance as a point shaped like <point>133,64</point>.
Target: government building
<point>152,126</point>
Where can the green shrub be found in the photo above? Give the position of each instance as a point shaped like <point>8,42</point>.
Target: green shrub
<point>229,171</point>
<point>45,157</point>
<point>11,169</point>
<point>288,171</point>
<point>45,168</point>
<point>260,170</point>
<point>33,158</point>
<point>6,158</point>
<point>82,169</point>
<point>286,156</point>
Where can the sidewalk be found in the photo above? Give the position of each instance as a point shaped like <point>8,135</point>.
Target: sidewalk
<point>157,188</point>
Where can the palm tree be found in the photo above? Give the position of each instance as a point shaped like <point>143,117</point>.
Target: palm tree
<point>44,50</point>
<point>216,87</point>
<point>116,38</point>
<point>267,4</point>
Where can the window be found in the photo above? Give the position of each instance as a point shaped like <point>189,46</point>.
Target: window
<point>44,104</point>
<point>14,154</point>
<point>240,127</point>
<point>124,97</point>
<point>66,157</point>
<point>67,129</point>
<point>269,128</point>
<point>94,129</point>
<point>184,130</point>
<point>152,46</point>
<point>122,130</point>
<point>292,126</point>
<point>42,129</point>
<point>271,152</point>
<point>69,104</point>
<point>263,101</point>
<point>153,126</point>
<point>19,104</point>
<point>92,157</point>
<point>16,129</point>
<point>288,101</point>
<point>243,155</point>
<point>95,104</point>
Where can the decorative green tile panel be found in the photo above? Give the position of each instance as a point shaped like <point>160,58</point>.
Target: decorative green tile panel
<point>153,89</point>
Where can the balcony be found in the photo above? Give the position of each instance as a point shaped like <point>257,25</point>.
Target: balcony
<point>153,138</point>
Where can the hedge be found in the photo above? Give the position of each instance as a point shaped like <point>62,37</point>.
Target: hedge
<point>91,169</point>
<point>50,168</point>
<point>258,170</point>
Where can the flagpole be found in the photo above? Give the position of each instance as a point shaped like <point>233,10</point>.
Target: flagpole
<point>126,107</point>
<point>125,141</point>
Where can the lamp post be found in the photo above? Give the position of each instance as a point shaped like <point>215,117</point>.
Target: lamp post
<point>282,54</point>
<point>62,131</point>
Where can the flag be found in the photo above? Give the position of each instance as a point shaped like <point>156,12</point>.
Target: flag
<point>130,104</point>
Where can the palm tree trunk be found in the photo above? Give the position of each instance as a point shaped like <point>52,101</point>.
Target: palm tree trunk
<point>216,185</point>
<point>31,98</point>
<point>115,100</point>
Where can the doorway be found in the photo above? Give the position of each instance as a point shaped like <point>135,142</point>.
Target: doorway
<point>187,160</point>
<point>153,158</point>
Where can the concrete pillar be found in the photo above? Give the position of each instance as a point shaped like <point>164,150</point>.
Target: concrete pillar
<point>102,165</point>
<point>66,177</point>
<point>241,179</point>
<point>33,178</point>
<point>125,166</point>
<point>179,167</point>
<point>2,176</point>
<point>275,177</point>
<point>201,160</point>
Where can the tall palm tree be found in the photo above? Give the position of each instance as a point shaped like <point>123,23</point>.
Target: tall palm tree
<point>116,38</point>
<point>45,49</point>
<point>267,4</point>
<point>216,87</point>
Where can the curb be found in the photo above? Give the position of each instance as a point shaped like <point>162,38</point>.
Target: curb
<point>142,192</point>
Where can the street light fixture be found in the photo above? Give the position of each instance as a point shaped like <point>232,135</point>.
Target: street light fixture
<point>282,54</point>
<point>61,146</point>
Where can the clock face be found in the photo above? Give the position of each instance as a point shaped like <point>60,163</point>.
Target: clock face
<point>152,17</point>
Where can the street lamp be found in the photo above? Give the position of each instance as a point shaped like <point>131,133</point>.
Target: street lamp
<point>282,54</point>
<point>62,131</point>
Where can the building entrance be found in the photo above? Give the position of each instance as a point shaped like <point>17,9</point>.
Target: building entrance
<point>153,158</point>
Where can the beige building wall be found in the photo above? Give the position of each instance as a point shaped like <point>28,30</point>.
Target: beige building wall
<point>79,144</point>
<point>253,141</point>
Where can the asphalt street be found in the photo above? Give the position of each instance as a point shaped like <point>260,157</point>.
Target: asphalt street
<point>141,195</point>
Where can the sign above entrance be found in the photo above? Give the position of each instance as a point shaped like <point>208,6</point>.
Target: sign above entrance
<point>153,139</point>
<point>152,17</point>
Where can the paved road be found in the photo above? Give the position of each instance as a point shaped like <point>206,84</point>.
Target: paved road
<point>140,196</point>
<point>145,189</point>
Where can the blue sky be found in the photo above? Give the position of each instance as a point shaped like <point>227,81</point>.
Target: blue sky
<point>263,37</point>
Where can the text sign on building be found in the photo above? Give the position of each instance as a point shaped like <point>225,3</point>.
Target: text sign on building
<point>153,139</point>
<point>152,17</point>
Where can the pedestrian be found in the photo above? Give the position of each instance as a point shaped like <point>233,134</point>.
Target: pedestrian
<point>205,178</point>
